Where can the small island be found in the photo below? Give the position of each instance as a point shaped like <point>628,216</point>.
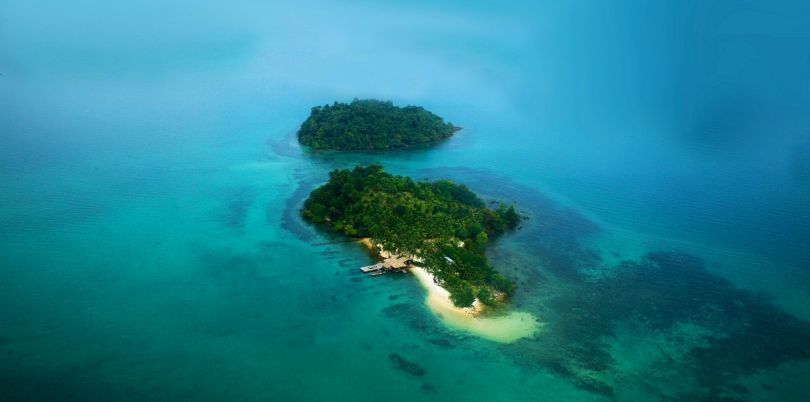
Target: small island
<point>444,227</point>
<point>371,125</point>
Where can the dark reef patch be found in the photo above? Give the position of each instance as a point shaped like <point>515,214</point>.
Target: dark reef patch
<point>286,146</point>
<point>441,342</point>
<point>739,332</point>
<point>413,315</point>
<point>690,334</point>
<point>417,318</point>
<point>406,365</point>
<point>238,204</point>
<point>291,217</point>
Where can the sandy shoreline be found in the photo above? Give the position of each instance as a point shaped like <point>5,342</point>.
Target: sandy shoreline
<point>503,328</point>
<point>440,297</point>
<point>506,328</point>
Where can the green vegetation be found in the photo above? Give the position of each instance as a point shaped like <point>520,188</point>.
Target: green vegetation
<point>371,124</point>
<point>426,219</point>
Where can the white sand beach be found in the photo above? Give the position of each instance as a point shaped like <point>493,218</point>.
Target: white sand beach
<point>502,328</point>
<point>506,328</point>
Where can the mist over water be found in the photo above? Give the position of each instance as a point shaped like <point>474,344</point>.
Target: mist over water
<point>150,180</point>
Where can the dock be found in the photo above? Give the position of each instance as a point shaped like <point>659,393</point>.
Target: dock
<point>392,263</point>
<point>372,268</point>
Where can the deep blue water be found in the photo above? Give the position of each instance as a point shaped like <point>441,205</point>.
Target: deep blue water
<point>150,247</point>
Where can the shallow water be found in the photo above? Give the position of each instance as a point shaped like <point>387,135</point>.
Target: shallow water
<point>149,185</point>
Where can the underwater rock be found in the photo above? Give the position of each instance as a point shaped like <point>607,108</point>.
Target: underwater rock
<point>441,342</point>
<point>406,365</point>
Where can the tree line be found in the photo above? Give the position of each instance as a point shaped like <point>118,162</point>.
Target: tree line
<point>444,223</point>
<point>371,124</point>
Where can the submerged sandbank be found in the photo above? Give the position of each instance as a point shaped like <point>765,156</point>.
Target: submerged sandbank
<point>505,328</point>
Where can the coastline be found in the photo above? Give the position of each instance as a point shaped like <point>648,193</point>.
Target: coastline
<point>505,328</point>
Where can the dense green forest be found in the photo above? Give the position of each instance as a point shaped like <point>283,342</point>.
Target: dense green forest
<point>422,218</point>
<point>371,124</point>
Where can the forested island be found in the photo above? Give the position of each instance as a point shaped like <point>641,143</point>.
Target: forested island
<point>371,124</point>
<point>445,224</point>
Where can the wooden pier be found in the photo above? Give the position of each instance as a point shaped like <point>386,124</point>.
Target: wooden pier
<point>393,263</point>
<point>372,268</point>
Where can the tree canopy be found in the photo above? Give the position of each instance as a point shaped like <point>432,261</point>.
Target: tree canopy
<point>371,124</point>
<point>444,223</point>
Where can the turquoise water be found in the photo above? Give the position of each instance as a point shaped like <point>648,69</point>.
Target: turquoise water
<point>150,247</point>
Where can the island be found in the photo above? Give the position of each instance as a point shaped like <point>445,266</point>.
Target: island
<point>439,226</point>
<point>371,125</point>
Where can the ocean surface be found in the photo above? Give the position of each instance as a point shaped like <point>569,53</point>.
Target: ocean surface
<point>150,180</point>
